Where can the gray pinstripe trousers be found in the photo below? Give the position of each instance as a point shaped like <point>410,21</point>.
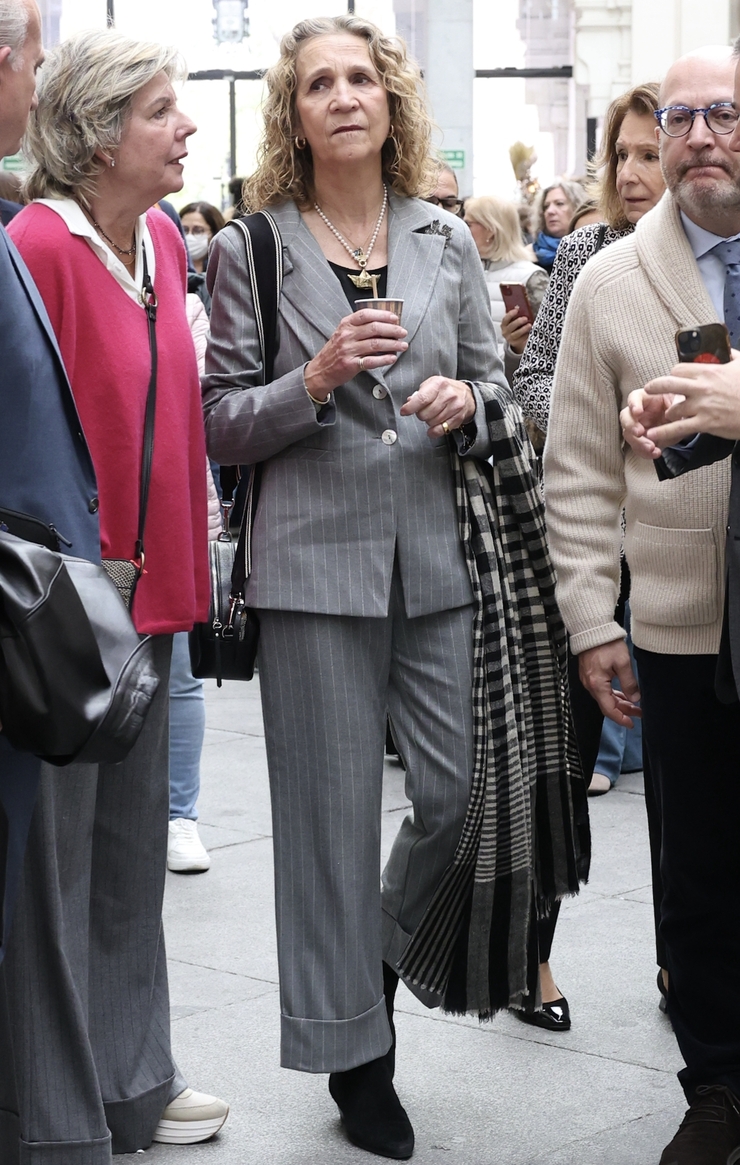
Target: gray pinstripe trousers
<point>85,1061</point>
<point>327,682</point>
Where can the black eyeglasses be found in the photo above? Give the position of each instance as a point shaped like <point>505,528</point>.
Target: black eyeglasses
<point>451,204</point>
<point>676,120</point>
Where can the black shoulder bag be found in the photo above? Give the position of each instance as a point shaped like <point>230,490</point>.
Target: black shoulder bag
<point>225,646</point>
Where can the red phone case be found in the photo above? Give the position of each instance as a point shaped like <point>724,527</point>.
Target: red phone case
<point>515,295</point>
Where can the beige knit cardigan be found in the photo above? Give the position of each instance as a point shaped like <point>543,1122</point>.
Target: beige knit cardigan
<point>619,333</point>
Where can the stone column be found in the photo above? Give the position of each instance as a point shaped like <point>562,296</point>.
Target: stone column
<point>449,77</point>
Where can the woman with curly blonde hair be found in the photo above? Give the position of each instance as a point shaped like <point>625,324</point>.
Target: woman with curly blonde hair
<point>358,572</point>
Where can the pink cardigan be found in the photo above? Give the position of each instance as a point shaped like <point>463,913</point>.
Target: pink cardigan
<point>104,342</point>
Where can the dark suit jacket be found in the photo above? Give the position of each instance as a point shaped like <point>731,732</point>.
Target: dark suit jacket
<point>706,451</point>
<point>8,210</point>
<point>46,471</point>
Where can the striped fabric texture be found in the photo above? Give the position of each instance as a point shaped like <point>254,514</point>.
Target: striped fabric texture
<point>525,843</point>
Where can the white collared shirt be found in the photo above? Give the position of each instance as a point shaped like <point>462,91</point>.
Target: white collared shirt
<point>71,212</point>
<point>711,267</point>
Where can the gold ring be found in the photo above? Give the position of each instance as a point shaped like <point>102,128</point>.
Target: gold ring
<point>446,427</point>
<point>361,362</point>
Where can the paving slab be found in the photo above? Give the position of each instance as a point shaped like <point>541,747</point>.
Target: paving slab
<point>502,1093</point>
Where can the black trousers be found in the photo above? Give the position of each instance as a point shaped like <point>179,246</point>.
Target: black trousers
<point>693,742</point>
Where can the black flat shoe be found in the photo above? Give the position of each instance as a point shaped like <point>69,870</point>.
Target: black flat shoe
<point>553,1017</point>
<point>373,1116</point>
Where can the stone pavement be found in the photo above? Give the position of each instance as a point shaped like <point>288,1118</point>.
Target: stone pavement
<point>495,1094</point>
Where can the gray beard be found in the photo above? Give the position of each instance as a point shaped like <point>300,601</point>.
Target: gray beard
<point>706,199</point>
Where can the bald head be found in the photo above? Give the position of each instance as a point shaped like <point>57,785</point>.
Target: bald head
<point>701,167</point>
<point>711,64</point>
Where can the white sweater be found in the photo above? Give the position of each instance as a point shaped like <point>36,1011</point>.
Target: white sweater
<point>619,333</point>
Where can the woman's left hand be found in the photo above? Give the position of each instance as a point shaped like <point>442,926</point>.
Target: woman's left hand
<point>440,402</point>
<point>515,330</point>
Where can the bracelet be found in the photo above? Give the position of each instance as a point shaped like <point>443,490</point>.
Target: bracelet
<point>319,403</point>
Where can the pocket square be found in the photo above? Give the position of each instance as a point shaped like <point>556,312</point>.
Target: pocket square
<point>436,228</point>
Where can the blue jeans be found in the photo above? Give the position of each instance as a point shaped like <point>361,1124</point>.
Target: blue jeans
<point>620,750</point>
<point>187,729</point>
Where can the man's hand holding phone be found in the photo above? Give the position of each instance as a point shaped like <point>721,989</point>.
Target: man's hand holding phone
<point>694,398</point>
<point>701,394</point>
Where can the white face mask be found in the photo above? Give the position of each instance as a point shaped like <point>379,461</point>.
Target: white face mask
<point>197,246</point>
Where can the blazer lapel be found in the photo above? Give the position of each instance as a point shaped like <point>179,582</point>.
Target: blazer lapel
<point>32,292</point>
<point>416,245</point>
<point>668,261</point>
<point>313,289</point>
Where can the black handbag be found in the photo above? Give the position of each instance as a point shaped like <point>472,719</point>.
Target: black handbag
<point>225,646</point>
<point>76,679</point>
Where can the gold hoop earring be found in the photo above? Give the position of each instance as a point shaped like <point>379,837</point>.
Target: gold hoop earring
<point>300,143</point>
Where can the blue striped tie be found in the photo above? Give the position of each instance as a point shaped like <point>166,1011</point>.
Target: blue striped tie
<point>729,253</point>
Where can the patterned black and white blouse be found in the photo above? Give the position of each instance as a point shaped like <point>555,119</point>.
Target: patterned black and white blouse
<point>532,384</point>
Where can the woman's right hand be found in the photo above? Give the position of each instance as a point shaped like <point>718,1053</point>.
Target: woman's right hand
<point>373,336</point>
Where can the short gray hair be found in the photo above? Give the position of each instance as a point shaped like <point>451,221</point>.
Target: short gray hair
<point>14,18</point>
<point>87,86</point>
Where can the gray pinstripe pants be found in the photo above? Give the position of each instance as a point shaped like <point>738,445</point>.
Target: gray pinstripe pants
<point>327,682</point>
<point>84,1006</point>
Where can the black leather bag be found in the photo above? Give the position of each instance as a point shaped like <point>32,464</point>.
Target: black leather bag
<point>225,646</point>
<point>76,680</point>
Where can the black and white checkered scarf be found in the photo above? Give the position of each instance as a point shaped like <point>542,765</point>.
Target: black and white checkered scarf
<point>525,843</point>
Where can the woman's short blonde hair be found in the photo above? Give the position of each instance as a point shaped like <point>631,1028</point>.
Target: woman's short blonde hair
<point>642,100</point>
<point>574,191</point>
<point>284,171</point>
<point>502,220</point>
<point>85,93</point>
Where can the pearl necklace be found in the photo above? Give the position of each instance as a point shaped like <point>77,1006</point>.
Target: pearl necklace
<point>361,257</point>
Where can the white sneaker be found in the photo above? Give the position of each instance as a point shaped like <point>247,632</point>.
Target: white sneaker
<point>191,1117</point>
<point>186,853</point>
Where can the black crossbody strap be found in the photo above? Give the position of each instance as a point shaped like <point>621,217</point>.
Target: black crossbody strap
<point>264,250</point>
<point>149,299</point>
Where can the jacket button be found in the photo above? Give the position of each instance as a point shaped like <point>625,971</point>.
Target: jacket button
<point>389,437</point>
<point>93,505</point>
<point>379,392</point>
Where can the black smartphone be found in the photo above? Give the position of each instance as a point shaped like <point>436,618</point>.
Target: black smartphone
<point>705,344</point>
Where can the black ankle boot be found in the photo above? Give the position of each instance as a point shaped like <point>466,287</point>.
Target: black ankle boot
<point>373,1116</point>
<point>390,983</point>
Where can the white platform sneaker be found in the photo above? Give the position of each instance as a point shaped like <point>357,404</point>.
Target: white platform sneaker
<point>186,853</point>
<point>191,1117</point>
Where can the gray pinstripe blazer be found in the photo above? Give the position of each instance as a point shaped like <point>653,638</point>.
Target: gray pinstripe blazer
<point>337,502</point>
